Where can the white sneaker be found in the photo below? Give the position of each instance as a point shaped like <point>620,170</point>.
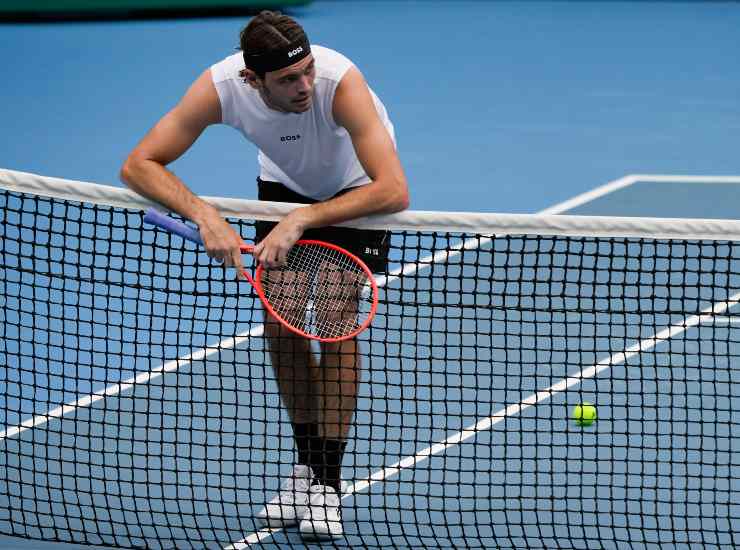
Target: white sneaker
<point>324,518</point>
<point>291,503</point>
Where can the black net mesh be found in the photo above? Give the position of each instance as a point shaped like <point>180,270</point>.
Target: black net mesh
<point>140,409</point>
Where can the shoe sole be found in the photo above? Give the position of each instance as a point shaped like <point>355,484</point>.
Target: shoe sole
<point>312,535</point>
<point>279,522</point>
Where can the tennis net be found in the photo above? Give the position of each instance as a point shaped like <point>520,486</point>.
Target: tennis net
<point>139,408</point>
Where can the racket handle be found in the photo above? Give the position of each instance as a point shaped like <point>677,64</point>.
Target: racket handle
<point>163,221</point>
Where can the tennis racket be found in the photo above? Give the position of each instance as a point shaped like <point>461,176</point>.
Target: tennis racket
<point>323,292</point>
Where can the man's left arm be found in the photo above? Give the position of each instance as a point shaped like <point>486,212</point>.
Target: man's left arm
<point>387,191</point>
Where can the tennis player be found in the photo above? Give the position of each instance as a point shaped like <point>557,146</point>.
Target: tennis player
<point>325,140</point>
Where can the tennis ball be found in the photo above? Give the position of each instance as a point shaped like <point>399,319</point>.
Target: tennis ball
<point>584,414</point>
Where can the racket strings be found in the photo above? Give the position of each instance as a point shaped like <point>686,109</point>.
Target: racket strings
<point>320,291</point>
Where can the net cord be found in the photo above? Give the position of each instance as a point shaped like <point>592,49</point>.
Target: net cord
<point>465,222</point>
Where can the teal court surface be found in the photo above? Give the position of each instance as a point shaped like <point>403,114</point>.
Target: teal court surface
<point>139,406</point>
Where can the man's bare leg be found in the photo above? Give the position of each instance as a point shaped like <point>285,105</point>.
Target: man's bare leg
<point>337,382</point>
<point>321,399</point>
<point>293,363</point>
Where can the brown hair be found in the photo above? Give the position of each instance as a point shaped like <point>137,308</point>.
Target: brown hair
<point>267,31</point>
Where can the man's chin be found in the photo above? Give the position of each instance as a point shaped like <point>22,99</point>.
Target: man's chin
<point>302,106</point>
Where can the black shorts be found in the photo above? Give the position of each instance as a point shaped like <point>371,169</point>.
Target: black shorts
<point>370,245</point>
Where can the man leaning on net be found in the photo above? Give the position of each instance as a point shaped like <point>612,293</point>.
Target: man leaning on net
<point>326,141</point>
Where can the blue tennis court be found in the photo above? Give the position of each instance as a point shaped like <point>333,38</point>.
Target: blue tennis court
<point>462,435</point>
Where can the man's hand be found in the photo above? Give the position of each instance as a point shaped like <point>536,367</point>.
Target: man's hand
<point>221,241</point>
<point>273,250</point>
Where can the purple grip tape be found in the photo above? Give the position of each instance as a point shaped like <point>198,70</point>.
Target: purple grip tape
<point>155,217</point>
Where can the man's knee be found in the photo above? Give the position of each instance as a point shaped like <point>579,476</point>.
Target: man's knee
<point>281,339</point>
<point>274,328</point>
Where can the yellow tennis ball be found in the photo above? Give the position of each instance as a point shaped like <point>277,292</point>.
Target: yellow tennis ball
<point>584,414</point>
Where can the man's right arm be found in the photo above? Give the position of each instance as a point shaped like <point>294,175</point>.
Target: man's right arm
<point>144,170</point>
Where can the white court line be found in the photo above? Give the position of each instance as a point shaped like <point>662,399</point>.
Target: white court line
<point>484,424</point>
<point>143,378</point>
<point>514,409</point>
<point>732,320</point>
<point>589,196</point>
<point>667,178</point>
<point>631,179</point>
<point>471,243</point>
<point>228,343</point>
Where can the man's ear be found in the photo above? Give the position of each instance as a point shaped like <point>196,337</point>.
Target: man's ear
<point>250,77</point>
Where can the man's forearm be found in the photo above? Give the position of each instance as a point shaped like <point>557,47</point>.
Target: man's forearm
<point>373,198</point>
<point>152,180</point>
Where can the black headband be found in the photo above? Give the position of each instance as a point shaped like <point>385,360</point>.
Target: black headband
<point>274,60</point>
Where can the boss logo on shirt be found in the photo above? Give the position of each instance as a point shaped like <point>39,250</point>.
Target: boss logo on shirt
<point>290,138</point>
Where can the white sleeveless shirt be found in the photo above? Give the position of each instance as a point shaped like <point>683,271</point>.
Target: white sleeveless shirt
<point>307,152</point>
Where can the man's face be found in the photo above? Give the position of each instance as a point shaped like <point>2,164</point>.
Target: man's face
<point>290,89</point>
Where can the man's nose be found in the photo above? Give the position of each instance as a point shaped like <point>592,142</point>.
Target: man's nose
<point>304,84</point>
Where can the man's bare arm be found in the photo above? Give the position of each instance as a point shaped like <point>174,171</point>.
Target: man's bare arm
<point>387,192</point>
<point>146,173</point>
